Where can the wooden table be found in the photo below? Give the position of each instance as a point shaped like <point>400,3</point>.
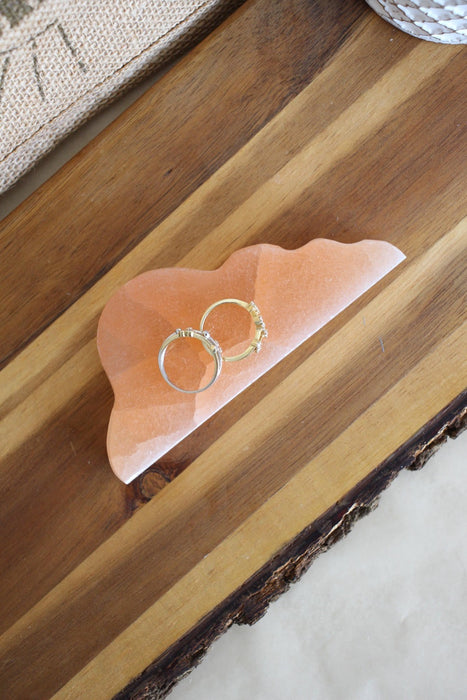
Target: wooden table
<point>292,121</point>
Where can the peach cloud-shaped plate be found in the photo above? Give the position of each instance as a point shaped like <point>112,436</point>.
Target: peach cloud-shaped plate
<point>297,292</point>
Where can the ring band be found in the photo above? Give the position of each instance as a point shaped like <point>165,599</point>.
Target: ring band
<point>211,345</point>
<point>260,328</point>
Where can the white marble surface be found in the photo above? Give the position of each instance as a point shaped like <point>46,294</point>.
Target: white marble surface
<point>382,615</point>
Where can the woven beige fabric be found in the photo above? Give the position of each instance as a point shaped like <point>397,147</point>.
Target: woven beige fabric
<point>62,60</point>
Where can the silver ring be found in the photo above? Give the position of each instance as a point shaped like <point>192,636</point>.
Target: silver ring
<point>211,345</point>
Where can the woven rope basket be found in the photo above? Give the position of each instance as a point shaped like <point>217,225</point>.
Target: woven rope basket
<point>444,21</point>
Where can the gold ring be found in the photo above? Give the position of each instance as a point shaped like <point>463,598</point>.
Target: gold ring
<point>260,328</point>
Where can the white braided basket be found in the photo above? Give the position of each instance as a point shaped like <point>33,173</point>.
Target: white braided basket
<point>444,21</point>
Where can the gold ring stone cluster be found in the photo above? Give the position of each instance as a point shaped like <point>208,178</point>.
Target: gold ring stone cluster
<point>211,345</point>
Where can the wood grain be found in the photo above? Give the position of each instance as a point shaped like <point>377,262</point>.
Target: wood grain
<point>288,123</point>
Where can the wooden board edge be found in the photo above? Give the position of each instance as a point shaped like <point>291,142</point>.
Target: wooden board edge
<point>250,602</point>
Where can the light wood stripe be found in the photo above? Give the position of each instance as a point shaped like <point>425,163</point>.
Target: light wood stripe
<point>274,524</point>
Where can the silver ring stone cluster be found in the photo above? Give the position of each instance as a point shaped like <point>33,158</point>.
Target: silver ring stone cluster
<point>211,345</point>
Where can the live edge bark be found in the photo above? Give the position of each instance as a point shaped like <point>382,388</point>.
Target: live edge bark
<point>251,600</point>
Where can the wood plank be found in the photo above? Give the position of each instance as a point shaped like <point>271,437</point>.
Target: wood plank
<point>355,135</point>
